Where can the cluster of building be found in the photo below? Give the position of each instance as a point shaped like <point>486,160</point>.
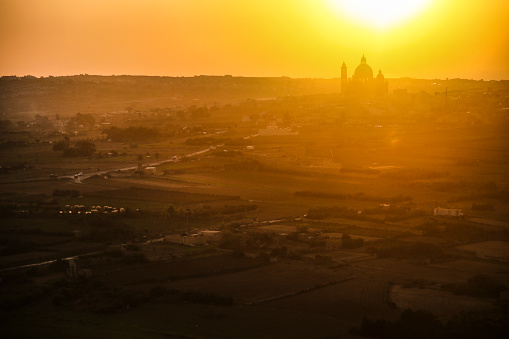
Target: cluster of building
<point>81,209</point>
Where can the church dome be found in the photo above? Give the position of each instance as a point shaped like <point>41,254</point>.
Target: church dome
<point>363,71</point>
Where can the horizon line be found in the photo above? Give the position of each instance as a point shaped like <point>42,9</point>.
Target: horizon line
<point>231,76</point>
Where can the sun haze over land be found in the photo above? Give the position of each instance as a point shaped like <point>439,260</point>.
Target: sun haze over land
<point>296,38</point>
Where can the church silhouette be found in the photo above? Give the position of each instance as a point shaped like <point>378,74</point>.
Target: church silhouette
<point>362,83</point>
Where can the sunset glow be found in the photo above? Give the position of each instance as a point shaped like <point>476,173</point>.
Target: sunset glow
<point>295,38</point>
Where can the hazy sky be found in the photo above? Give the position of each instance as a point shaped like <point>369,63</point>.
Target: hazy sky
<point>295,38</point>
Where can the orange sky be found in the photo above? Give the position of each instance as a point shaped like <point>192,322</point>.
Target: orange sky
<point>295,38</point>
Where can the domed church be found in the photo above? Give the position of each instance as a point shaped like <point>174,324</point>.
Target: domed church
<point>362,82</point>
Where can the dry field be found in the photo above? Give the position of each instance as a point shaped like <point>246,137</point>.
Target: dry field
<point>348,301</point>
<point>264,283</point>
<point>175,321</point>
<point>353,236</point>
<point>497,250</point>
<point>399,269</point>
<point>374,227</point>
<point>476,267</point>
<point>442,303</point>
<point>182,269</point>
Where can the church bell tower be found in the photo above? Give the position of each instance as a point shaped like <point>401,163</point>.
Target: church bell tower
<point>344,77</point>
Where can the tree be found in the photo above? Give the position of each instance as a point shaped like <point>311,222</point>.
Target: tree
<point>86,148</point>
<point>62,144</point>
<point>349,242</point>
<point>131,133</point>
<point>42,121</point>
<point>82,148</point>
<point>4,124</point>
<point>170,212</point>
<point>80,119</point>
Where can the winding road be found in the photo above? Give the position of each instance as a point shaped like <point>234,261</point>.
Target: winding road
<point>79,179</point>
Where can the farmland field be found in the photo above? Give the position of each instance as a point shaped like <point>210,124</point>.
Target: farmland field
<point>498,250</point>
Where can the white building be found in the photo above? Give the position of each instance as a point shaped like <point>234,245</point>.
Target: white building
<point>149,170</point>
<point>448,211</point>
<point>273,129</point>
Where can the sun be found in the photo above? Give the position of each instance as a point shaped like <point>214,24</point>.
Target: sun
<point>380,13</point>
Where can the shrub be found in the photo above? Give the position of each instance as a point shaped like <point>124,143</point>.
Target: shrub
<point>349,242</point>
<point>66,193</point>
<point>480,286</point>
<point>58,266</point>
<point>132,247</point>
<point>135,258</point>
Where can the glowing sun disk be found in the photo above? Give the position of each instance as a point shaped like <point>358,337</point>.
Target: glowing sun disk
<point>380,13</point>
